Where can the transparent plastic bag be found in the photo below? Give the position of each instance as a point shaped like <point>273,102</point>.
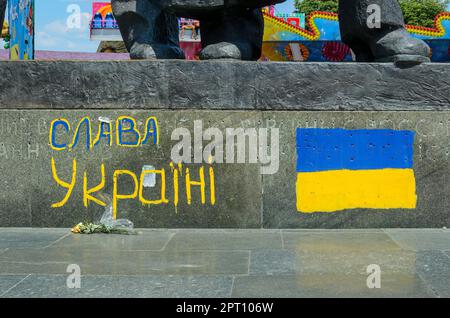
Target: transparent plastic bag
<point>107,223</point>
<point>119,226</point>
<point>107,219</point>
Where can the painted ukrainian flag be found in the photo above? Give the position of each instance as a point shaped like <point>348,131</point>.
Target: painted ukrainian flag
<point>339,169</point>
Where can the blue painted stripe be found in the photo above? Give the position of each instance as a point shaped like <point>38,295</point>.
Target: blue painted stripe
<point>336,149</point>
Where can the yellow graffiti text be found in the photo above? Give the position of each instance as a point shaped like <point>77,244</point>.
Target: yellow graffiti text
<point>68,186</point>
<point>136,191</point>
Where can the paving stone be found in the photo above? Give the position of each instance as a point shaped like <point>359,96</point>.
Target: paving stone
<point>434,268</point>
<point>30,238</point>
<point>55,286</point>
<point>327,285</point>
<point>344,241</point>
<point>273,262</point>
<point>421,240</point>
<point>347,253</point>
<point>8,281</point>
<point>225,240</point>
<point>145,240</point>
<point>123,262</point>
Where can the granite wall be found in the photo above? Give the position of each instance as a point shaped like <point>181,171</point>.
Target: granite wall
<point>75,137</point>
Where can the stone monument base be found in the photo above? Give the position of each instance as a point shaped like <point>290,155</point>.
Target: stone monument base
<point>78,138</point>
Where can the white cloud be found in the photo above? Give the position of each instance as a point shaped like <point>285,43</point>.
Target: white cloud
<point>72,45</point>
<point>56,27</point>
<point>46,40</point>
<point>56,35</point>
<point>53,32</point>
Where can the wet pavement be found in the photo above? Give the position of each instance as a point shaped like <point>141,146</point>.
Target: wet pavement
<point>226,263</point>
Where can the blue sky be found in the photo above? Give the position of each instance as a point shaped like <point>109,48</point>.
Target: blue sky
<point>52,32</point>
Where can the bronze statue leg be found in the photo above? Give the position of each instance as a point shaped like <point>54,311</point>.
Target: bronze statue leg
<point>390,42</point>
<point>147,30</point>
<point>232,33</point>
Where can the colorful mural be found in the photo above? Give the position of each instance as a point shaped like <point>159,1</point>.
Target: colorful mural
<point>303,51</point>
<point>321,40</point>
<point>21,22</point>
<point>339,169</point>
<point>102,16</point>
<point>101,7</point>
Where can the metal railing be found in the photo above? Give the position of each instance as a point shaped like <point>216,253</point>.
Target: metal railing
<point>104,24</point>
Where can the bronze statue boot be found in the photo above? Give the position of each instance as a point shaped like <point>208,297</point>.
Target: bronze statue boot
<point>387,41</point>
<point>399,46</point>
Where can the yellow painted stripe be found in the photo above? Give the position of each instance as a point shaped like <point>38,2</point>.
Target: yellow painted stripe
<point>336,190</point>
